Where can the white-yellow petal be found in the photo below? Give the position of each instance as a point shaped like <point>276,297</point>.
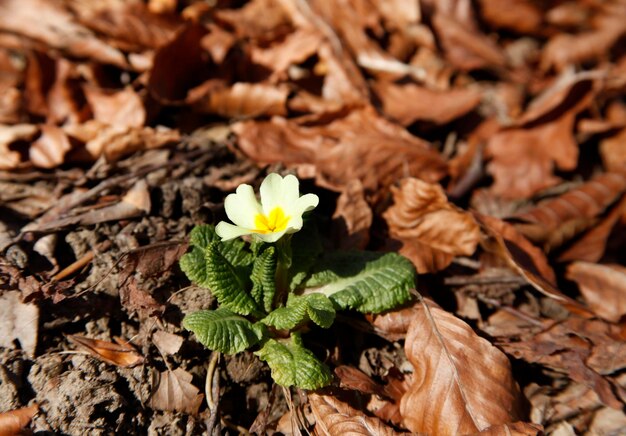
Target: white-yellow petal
<point>277,191</point>
<point>306,203</point>
<point>228,231</point>
<point>271,237</point>
<point>242,207</point>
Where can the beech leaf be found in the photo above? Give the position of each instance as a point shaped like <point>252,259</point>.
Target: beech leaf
<point>175,392</point>
<point>461,384</point>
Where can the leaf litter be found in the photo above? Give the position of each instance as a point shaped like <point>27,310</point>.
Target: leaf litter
<point>484,142</point>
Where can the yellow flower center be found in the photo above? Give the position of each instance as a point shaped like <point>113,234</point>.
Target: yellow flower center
<point>275,222</point>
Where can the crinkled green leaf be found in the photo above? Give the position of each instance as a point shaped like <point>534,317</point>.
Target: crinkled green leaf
<point>234,249</point>
<point>306,247</point>
<point>294,365</point>
<point>302,309</point>
<point>264,278</point>
<point>228,284</point>
<point>194,266</point>
<point>223,330</point>
<point>366,281</point>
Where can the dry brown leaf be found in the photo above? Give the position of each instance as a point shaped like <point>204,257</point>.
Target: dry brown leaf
<point>167,343</point>
<point>583,349</point>
<point>121,353</point>
<point>245,100</point>
<point>523,157</point>
<point>394,324</point>
<point>294,49</point>
<point>591,246</point>
<point>513,429</point>
<point>521,16</point>
<point>120,108</point>
<point>432,230</point>
<point>114,142</point>
<point>179,65</point>
<point>358,146</point>
<point>127,25</point>
<point>461,383</point>
<point>18,321</point>
<point>334,417</point>
<point>409,103</point>
<point>566,49</point>
<point>352,378</point>
<point>602,286</point>
<point>555,221</point>
<point>49,150</point>
<point>613,152</point>
<point>466,47</point>
<point>50,23</point>
<point>10,159</point>
<point>12,423</point>
<point>174,392</point>
<point>352,218</point>
<point>526,259</point>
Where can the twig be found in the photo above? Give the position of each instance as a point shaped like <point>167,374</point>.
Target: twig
<point>81,262</point>
<point>484,280</point>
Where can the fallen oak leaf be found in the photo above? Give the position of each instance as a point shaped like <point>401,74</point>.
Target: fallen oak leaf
<point>432,230</point>
<point>49,150</point>
<point>18,321</point>
<point>121,353</point>
<point>334,417</point>
<point>174,392</point>
<point>244,100</point>
<point>461,383</point>
<point>167,343</point>
<point>10,159</point>
<point>512,429</point>
<point>13,422</point>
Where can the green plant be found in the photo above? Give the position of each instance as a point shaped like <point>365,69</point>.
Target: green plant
<point>269,289</point>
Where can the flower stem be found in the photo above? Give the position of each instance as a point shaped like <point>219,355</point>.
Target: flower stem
<point>283,251</point>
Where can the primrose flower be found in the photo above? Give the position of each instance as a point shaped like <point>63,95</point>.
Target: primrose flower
<point>279,213</point>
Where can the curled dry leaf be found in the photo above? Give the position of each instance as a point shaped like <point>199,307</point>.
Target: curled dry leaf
<point>461,384</point>
<point>49,150</point>
<point>409,103</point>
<point>334,417</point>
<point>10,159</point>
<point>602,286</point>
<point>557,220</point>
<point>352,378</point>
<point>591,246</point>
<point>352,218</point>
<point>583,349</point>
<point>174,392</point>
<point>121,353</point>
<point>116,108</point>
<point>432,230</point>
<point>566,49</point>
<point>50,23</point>
<point>13,422</point>
<point>521,16</point>
<point>527,260</point>
<point>465,47</point>
<point>523,157</point>
<point>358,146</point>
<point>245,100</point>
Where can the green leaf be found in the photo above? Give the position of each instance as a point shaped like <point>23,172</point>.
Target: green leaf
<point>369,282</point>
<point>302,309</point>
<point>194,266</point>
<point>227,283</point>
<point>306,247</point>
<point>223,330</point>
<point>264,278</point>
<point>234,249</point>
<point>293,365</point>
